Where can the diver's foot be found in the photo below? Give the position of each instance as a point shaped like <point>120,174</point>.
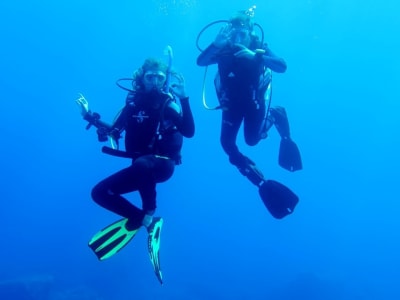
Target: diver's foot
<point>281,122</point>
<point>255,175</point>
<point>250,170</point>
<point>132,224</point>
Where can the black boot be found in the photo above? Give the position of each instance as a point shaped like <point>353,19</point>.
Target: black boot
<point>249,169</point>
<point>281,122</point>
<point>289,154</point>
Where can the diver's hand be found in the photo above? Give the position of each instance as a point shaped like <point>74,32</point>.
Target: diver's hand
<point>244,52</point>
<point>177,87</point>
<point>83,104</point>
<point>223,37</point>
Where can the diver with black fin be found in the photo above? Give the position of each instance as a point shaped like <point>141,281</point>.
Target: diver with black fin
<point>289,154</point>
<point>243,85</point>
<point>155,119</point>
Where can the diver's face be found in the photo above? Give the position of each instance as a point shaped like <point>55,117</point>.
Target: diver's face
<point>240,35</point>
<point>154,80</point>
<point>240,31</point>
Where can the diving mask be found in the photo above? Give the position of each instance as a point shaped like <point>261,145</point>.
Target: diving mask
<point>154,79</point>
<point>151,76</point>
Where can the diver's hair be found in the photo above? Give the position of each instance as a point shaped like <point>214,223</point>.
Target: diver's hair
<point>149,64</point>
<point>242,17</point>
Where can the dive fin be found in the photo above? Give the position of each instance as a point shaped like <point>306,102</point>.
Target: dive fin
<point>289,155</point>
<point>279,200</point>
<point>153,245</point>
<point>111,239</point>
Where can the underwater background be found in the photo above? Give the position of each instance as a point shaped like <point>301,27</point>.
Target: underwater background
<point>218,241</point>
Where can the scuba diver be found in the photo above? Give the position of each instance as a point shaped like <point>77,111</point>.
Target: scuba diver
<point>243,87</point>
<point>154,123</point>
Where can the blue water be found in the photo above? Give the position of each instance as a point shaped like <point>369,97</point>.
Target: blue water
<point>219,241</point>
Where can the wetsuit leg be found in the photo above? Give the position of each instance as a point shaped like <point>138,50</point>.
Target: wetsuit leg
<point>141,176</point>
<point>153,169</point>
<point>231,121</point>
<point>254,122</point>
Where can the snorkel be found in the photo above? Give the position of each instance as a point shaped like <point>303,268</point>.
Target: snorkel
<point>251,11</point>
<point>168,51</point>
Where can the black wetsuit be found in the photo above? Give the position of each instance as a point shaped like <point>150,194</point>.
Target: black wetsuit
<point>154,130</point>
<point>240,91</point>
<point>243,85</point>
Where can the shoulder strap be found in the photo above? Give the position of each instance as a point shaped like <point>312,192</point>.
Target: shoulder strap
<point>160,125</point>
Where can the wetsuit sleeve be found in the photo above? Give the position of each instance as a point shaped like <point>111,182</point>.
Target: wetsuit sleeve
<point>94,119</point>
<point>104,128</point>
<point>183,121</point>
<point>272,61</point>
<point>208,56</point>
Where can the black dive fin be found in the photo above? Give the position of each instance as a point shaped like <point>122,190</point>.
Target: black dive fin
<point>289,155</point>
<point>111,239</point>
<point>153,245</point>
<point>279,200</point>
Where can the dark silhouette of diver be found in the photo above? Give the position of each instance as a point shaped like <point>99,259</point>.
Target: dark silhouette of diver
<point>243,87</point>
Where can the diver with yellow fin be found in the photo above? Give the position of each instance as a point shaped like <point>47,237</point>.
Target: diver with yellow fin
<point>243,85</point>
<point>155,118</point>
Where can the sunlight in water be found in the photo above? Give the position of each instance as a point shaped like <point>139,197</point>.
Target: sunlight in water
<point>180,7</point>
